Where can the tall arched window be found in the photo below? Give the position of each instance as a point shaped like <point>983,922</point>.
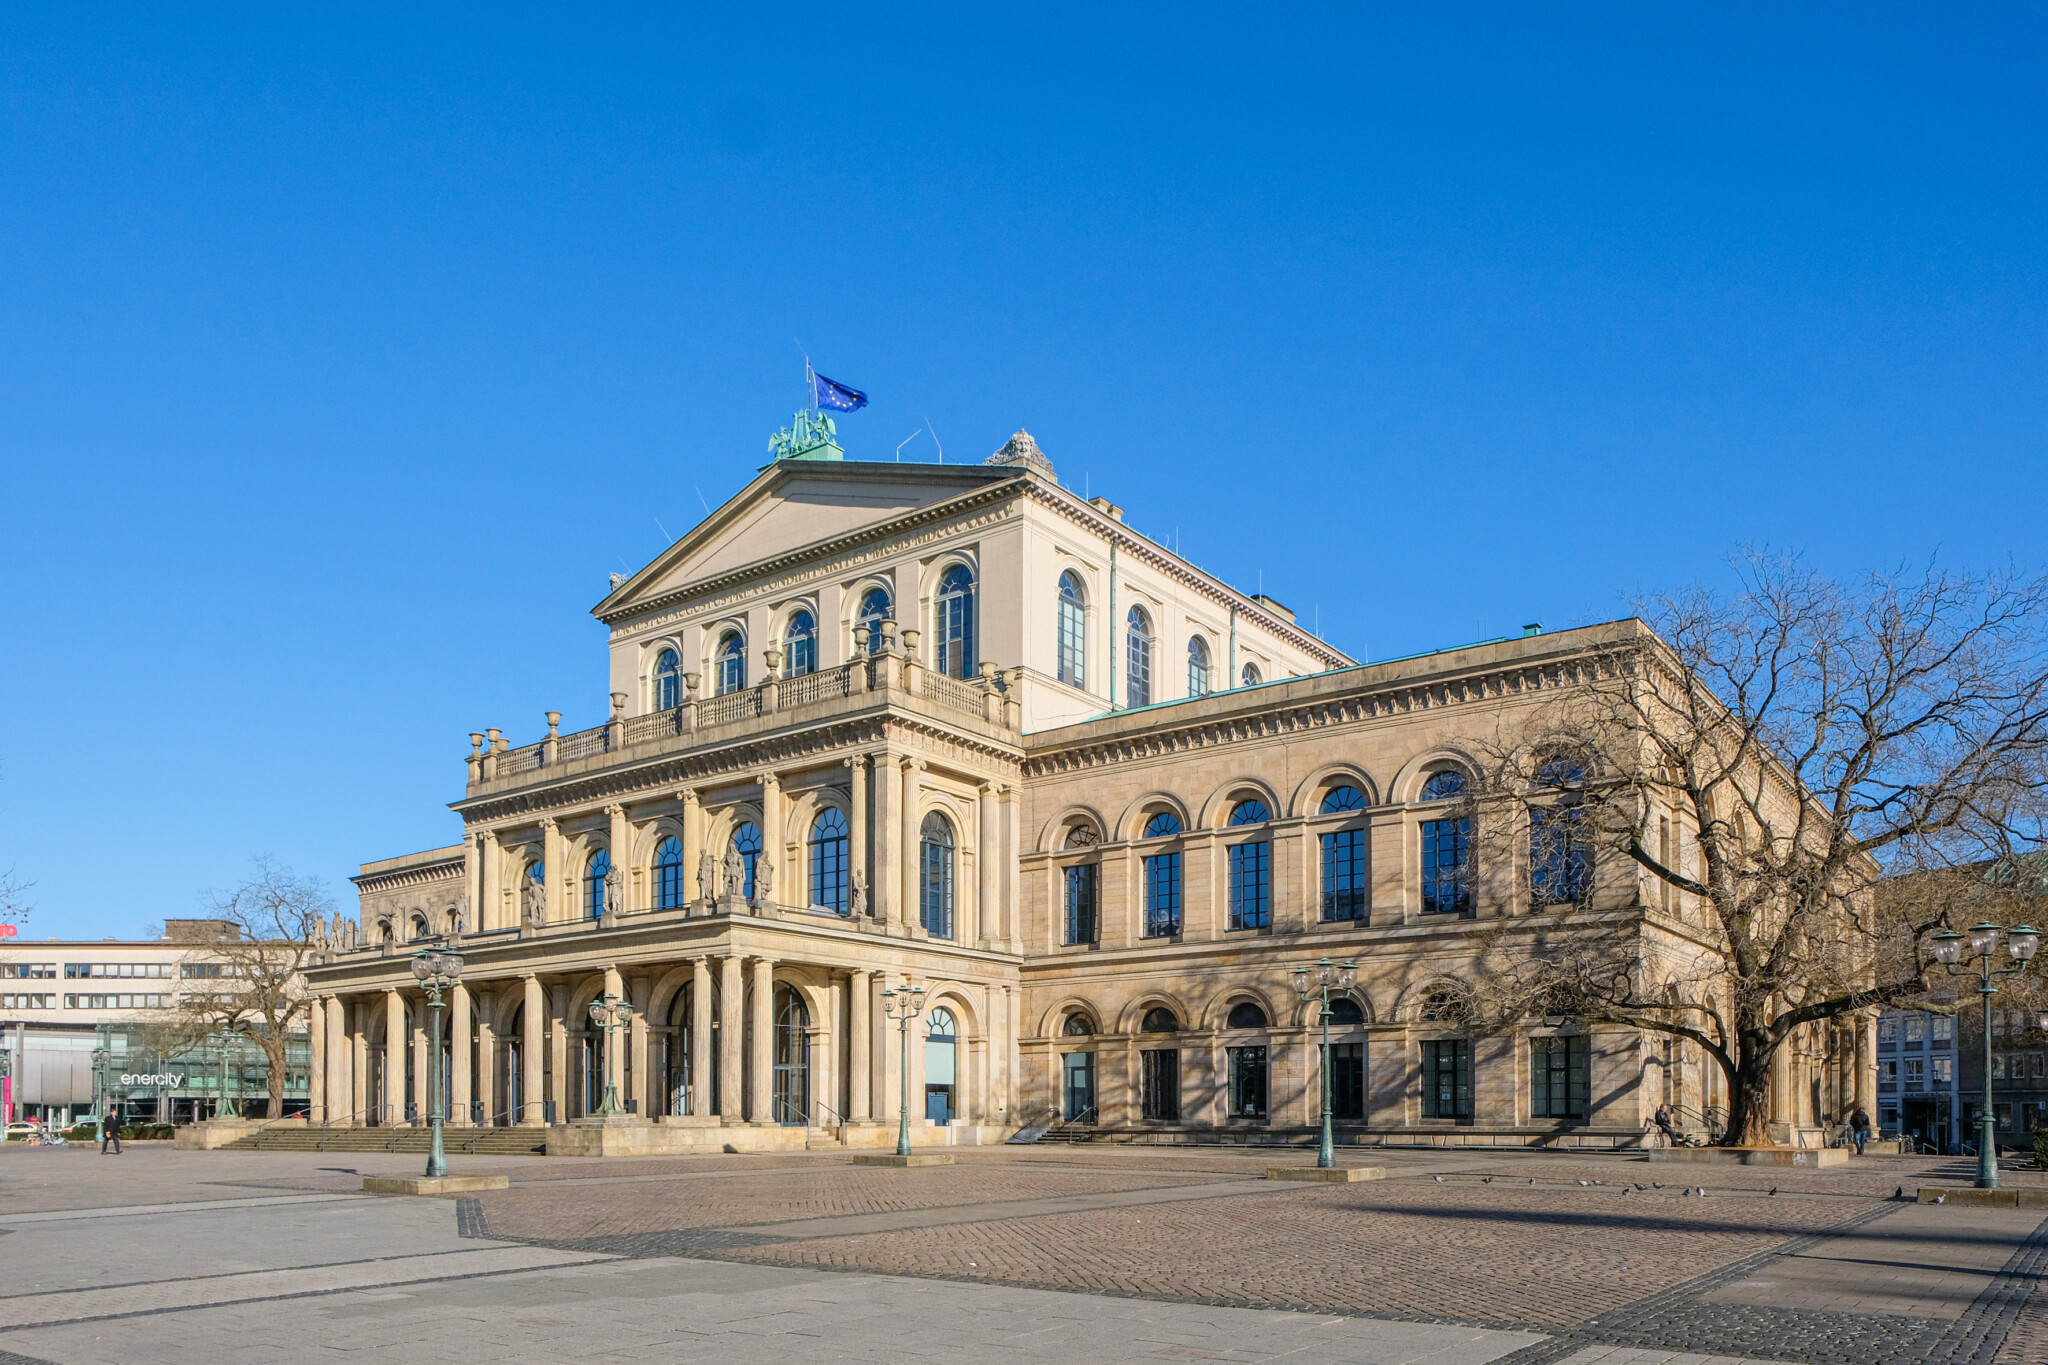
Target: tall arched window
<point>1249,676</point>
<point>669,893</point>
<point>594,873</point>
<point>935,875</point>
<point>955,625</point>
<point>1137,658</point>
<point>1344,885</point>
<point>941,1065</point>
<point>829,843</point>
<point>668,681</point>
<point>746,841</point>
<point>1251,870</point>
<point>1198,667</point>
<point>800,645</point>
<point>874,609</point>
<point>792,1091</point>
<point>1072,634</point>
<point>730,666</point>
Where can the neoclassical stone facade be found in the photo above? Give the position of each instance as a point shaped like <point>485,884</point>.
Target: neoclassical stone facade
<point>874,725</point>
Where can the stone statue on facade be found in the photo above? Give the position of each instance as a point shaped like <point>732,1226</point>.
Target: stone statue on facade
<point>614,896</point>
<point>455,921</point>
<point>316,934</point>
<point>857,904</point>
<point>348,934</point>
<point>536,904</point>
<point>764,881</point>
<point>735,875</point>
<point>707,877</point>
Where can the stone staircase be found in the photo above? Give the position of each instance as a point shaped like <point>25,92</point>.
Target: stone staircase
<point>455,1141</point>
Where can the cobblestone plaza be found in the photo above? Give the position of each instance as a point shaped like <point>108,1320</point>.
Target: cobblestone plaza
<point>1120,1253</point>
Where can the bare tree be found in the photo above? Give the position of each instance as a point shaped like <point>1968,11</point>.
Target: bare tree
<point>245,981</point>
<point>1746,819</point>
<point>14,906</point>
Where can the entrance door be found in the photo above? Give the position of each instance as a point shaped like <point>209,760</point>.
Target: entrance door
<point>940,1063</point>
<point>792,1059</point>
<point>1079,1087</point>
<point>1921,1124</point>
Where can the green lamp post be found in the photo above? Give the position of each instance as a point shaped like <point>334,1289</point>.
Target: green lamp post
<point>902,1004</point>
<point>437,970</point>
<point>1328,976</point>
<point>1982,942</point>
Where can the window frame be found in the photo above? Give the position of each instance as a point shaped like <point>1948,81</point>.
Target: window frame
<point>1564,1059</point>
<point>864,615</point>
<point>830,859</point>
<point>1200,666</point>
<point>1452,1058</point>
<point>1138,640</point>
<point>800,646</point>
<point>1070,631</point>
<point>1455,833</point>
<point>1082,902</point>
<point>936,875</point>
<point>671,891</point>
<point>953,623</point>
<point>593,882</point>
<point>729,663</point>
<point>668,679</point>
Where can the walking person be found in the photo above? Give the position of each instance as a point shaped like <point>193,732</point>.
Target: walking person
<point>1859,1128</point>
<point>110,1132</point>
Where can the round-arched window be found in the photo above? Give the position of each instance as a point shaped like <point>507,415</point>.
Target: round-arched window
<point>1344,1010</point>
<point>1077,1026</point>
<point>1442,1007</point>
<point>1337,800</point>
<point>874,609</point>
<point>800,645</point>
<point>1198,667</point>
<point>594,872</point>
<point>1071,663</point>
<point>1442,786</point>
<point>941,1025</point>
<point>1245,1014</point>
<point>746,841</point>
<point>668,681</point>
<point>955,624</point>
<point>1249,675</point>
<point>1562,770</point>
<point>730,665</point>
<point>669,892</point>
<point>1161,824</point>
<point>1250,812</point>
<point>1137,658</point>
<point>935,875</point>
<point>1159,1019</point>
<point>829,845</point>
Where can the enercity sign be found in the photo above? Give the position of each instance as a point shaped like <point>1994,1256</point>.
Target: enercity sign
<point>9,930</point>
<point>150,1078</point>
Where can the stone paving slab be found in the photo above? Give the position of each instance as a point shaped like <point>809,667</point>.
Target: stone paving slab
<point>1921,1261</point>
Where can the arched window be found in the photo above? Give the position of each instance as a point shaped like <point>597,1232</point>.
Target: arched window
<point>1071,665</point>
<point>800,645</point>
<point>828,860</point>
<point>1249,676</point>
<point>1159,1019</point>
<point>669,892</point>
<point>730,665</point>
<point>1561,771</point>
<point>792,1095</point>
<point>1338,800</point>
<point>874,609</point>
<point>1137,658</point>
<point>1345,1012</point>
<point>419,926</point>
<point>955,624</point>
<point>746,841</point>
<point>594,873</point>
<point>1442,1007</point>
<point>1198,667</point>
<point>668,681</point>
<point>1442,786</point>
<point>1245,1014</point>
<point>1251,871</point>
<point>935,875</point>
<point>1161,824</point>
<point>941,1065</point>
<point>1077,1026</point>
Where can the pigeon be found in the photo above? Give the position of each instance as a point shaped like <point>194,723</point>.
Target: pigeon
<point>1639,1185</point>
<point>1899,1193</point>
<point>1586,1183</point>
<point>1486,1180</point>
<point>1626,1190</point>
<point>1532,1180</point>
<point>1701,1191</point>
<point>1599,1182</point>
<point>1773,1190</point>
<point>1658,1183</point>
<point>1941,1199</point>
<point>1440,1180</point>
<point>1686,1193</point>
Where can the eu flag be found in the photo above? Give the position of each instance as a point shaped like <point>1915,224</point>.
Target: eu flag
<point>839,398</point>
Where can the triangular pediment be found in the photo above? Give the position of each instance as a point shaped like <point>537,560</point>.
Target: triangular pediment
<point>791,505</point>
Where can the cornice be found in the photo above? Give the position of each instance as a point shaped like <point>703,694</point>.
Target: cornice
<point>417,875</point>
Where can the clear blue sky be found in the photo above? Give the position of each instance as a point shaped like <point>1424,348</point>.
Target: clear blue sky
<point>342,357</point>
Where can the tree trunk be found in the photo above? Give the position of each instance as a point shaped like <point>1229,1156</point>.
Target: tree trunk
<point>1749,1096</point>
<point>274,1082</point>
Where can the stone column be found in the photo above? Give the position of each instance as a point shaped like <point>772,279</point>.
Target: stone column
<point>860,1039</point>
<point>693,841</point>
<point>341,1101</point>
<point>913,783</point>
<point>486,1063</point>
<point>359,1061</point>
<point>558,1051</point>
<point>637,1087</point>
<point>1013,874</point>
<point>459,1056</point>
<point>490,910</point>
<point>316,1073</point>
<point>555,853</point>
<point>732,1062</point>
<point>857,827</point>
<point>885,887</point>
<point>531,1082</point>
<point>988,860</point>
<point>761,1086</point>
<point>700,1038</point>
<point>613,1044</point>
<point>773,834</point>
<point>422,1038</point>
<point>396,1044</point>
<point>620,846</point>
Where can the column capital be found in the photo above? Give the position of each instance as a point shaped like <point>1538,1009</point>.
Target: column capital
<point>547,822</point>
<point>987,788</point>
<point>856,761</point>
<point>487,835</point>
<point>615,809</point>
<point>767,778</point>
<point>688,795</point>
<point>911,763</point>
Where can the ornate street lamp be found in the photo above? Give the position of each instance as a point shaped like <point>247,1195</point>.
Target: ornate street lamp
<point>1982,942</point>
<point>437,970</point>
<point>903,1004</point>
<point>1328,976</point>
<point>611,1014</point>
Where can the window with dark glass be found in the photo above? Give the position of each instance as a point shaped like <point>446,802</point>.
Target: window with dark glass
<point>1078,1025</point>
<point>1251,871</point>
<point>935,875</point>
<point>1247,1096</point>
<point>874,609</point>
<point>955,657</point>
<point>1442,786</point>
<point>1078,1085</point>
<point>800,645</point>
<point>1137,658</point>
<point>1162,894</point>
<point>746,841</point>
<point>1161,824</point>
<point>668,681</point>
<point>594,873</point>
<point>1347,1080</point>
<point>1344,889</point>
<point>1245,1014</point>
<point>829,844</point>
<point>1159,1084</point>
<point>730,667</point>
<point>1446,866</point>
<point>1249,676</point>
<point>1447,1078</point>
<point>1342,800</point>
<point>669,892</point>
<point>1072,632</point>
<point>1560,855</point>
<point>1559,1083</point>
<point>1081,883</point>
<point>1198,667</point>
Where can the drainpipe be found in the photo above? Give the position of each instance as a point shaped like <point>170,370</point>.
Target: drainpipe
<point>1109,636</point>
<point>1232,675</point>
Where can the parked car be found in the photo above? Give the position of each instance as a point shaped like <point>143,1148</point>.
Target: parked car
<point>21,1130</point>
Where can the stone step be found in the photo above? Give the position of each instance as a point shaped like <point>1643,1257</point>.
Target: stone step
<point>458,1141</point>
